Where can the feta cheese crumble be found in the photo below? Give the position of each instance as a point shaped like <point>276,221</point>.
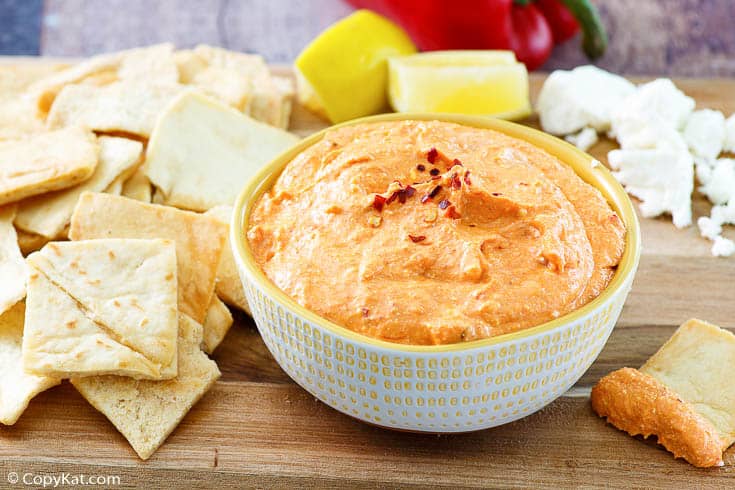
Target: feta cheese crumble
<point>719,185</point>
<point>705,133</point>
<point>662,179</point>
<point>663,142</point>
<point>584,140</point>
<point>584,96</point>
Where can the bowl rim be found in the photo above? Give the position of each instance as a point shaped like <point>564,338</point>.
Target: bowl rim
<point>584,165</point>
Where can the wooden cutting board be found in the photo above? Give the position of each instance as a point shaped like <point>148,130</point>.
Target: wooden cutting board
<point>257,428</point>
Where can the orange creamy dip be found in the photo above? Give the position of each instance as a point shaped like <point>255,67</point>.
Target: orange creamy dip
<point>434,233</point>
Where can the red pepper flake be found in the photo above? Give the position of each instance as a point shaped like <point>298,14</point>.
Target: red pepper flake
<point>456,183</point>
<point>417,238</point>
<point>402,196</point>
<point>431,155</point>
<point>391,198</point>
<point>452,213</point>
<point>496,194</point>
<point>410,191</point>
<point>425,198</point>
<point>444,204</point>
<point>467,178</point>
<point>365,312</point>
<point>456,162</point>
<point>434,171</point>
<point>378,202</point>
<point>435,191</point>
<point>420,167</point>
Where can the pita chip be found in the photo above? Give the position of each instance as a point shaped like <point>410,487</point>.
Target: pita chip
<point>12,265</point>
<point>229,285</point>
<point>240,80</point>
<point>155,64</point>
<point>225,85</point>
<point>199,240</point>
<point>137,187</point>
<point>264,100</point>
<point>18,118</point>
<point>15,78</point>
<point>683,394</point>
<point>150,63</point>
<point>216,325</point>
<point>225,75</point>
<point>102,307</point>
<point>48,214</point>
<point>146,412</point>
<point>127,106</point>
<point>17,387</point>
<point>202,152</point>
<point>46,162</point>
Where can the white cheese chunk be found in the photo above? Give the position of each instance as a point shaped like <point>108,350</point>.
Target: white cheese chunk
<point>584,140</point>
<point>720,185</point>
<point>585,96</point>
<point>652,117</point>
<point>705,133</point>
<point>723,247</point>
<point>662,179</point>
<point>709,228</point>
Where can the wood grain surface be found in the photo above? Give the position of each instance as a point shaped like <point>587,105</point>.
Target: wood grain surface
<point>256,428</point>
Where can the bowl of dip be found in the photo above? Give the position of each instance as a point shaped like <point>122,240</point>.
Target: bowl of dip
<point>435,273</point>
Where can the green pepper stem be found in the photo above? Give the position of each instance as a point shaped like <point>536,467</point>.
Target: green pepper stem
<point>594,37</point>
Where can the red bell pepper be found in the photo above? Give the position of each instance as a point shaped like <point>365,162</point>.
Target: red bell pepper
<point>528,27</point>
<point>562,22</point>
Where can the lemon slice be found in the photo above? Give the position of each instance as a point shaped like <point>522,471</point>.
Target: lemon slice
<point>343,73</point>
<point>464,82</point>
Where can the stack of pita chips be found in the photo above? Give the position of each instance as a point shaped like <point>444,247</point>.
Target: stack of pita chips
<point>136,157</point>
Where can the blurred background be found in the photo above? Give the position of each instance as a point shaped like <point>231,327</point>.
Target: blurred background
<point>647,37</point>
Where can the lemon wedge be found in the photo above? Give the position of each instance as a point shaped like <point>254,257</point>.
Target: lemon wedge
<point>343,73</point>
<point>465,82</point>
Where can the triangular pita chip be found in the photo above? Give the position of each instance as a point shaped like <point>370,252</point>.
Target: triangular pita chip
<point>12,265</point>
<point>698,363</point>
<point>199,240</point>
<point>229,285</point>
<point>202,152</point>
<point>17,387</point>
<point>127,106</point>
<point>46,162</point>
<point>48,214</point>
<point>102,307</point>
<point>216,325</point>
<point>146,412</point>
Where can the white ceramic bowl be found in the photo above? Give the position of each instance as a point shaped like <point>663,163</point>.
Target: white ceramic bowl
<point>448,388</point>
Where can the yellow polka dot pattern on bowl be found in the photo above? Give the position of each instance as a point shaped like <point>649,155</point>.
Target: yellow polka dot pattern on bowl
<point>461,390</point>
